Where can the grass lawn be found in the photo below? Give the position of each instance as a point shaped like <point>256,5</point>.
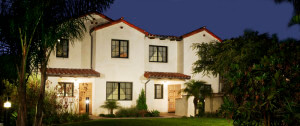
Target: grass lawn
<point>156,122</point>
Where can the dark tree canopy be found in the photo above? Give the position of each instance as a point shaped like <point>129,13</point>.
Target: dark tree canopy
<point>260,75</point>
<point>31,29</point>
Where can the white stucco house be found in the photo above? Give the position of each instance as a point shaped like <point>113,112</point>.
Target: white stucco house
<point>116,60</point>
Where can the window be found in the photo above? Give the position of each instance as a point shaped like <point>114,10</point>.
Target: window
<point>207,87</point>
<point>119,90</point>
<point>158,53</point>
<point>119,48</point>
<point>65,89</point>
<point>62,48</point>
<point>158,91</point>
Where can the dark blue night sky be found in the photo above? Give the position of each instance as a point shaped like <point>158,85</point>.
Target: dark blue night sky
<point>225,18</point>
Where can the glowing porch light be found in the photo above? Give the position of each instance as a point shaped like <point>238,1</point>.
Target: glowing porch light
<point>87,101</point>
<point>7,104</point>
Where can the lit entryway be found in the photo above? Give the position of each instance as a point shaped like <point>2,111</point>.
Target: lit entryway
<point>85,98</point>
<point>173,93</point>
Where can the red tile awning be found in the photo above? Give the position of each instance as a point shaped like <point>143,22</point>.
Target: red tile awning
<point>166,75</point>
<point>65,72</point>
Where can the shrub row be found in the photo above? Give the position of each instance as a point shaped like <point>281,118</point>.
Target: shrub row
<point>132,112</point>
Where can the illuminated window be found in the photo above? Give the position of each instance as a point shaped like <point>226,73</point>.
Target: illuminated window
<point>62,48</point>
<point>119,90</point>
<point>158,53</point>
<point>65,89</point>
<point>119,48</point>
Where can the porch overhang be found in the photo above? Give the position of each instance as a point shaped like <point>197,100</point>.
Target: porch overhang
<point>168,75</point>
<point>66,72</point>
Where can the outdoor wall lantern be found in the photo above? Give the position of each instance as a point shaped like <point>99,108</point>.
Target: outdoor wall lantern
<point>87,101</point>
<point>7,104</point>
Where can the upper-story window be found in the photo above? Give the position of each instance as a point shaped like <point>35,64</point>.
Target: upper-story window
<point>158,53</point>
<point>62,48</point>
<point>119,48</point>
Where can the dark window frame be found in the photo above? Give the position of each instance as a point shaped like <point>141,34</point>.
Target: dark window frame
<point>61,44</point>
<point>155,91</point>
<point>119,89</point>
<point>156,46</point>
<point>119,41</point>
<point>65,88</point>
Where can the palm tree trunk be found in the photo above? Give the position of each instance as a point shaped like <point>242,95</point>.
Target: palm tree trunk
<point>40,104</point>
<point>195,105</point>
<point>22,111</point>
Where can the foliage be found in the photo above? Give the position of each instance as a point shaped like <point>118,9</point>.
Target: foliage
<point>227,108</point>
<point>111,105</point>
<point>261,76</point>
<point>107,115</point>
<point>198,89</point>
<point>53,114</point>
<point>141,101</point>
<point>31,29</point>
<point>134,112</point>
<point>128,112</point>
<point>154,113</point>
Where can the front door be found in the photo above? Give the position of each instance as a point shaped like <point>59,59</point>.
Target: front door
<point>85,94</point>
<point>173,93</point>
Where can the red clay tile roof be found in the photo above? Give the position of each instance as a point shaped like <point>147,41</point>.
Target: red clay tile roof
<point>199,30</point>
<point>166,75</point>
<point>112,22</point>
<point>65,72</point>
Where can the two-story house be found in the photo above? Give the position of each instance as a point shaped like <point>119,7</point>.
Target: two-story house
<point>116,60</point>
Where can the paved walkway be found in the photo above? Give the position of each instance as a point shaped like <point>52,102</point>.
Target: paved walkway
<point>162,115</point>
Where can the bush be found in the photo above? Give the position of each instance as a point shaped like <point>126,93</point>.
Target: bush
<point>134,112</point>
<point>141,102</point>
<point>102,115</point>
<point>127,112</point>
<point>107,115</point>
<point>154,113</point>
<point>53,113</point>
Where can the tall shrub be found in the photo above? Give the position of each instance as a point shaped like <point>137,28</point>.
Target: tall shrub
<point>141,102</point>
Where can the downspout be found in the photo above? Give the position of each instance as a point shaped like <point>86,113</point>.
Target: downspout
<point>91,50</point>
<point>146,88</point>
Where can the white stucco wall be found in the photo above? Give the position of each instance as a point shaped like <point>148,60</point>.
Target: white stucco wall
<point>185,106</point>
<point>190,57</point>
<point>79,49</point>
<point>170,65</point>
<point>129,69</point>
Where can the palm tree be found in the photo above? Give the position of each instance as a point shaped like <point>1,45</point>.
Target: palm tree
<point>111,105</point>
<point>33,27</point>
<point>59,22</point>
<point>198,89</point>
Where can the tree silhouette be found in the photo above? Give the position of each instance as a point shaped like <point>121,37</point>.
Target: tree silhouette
<point>33,27</point>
